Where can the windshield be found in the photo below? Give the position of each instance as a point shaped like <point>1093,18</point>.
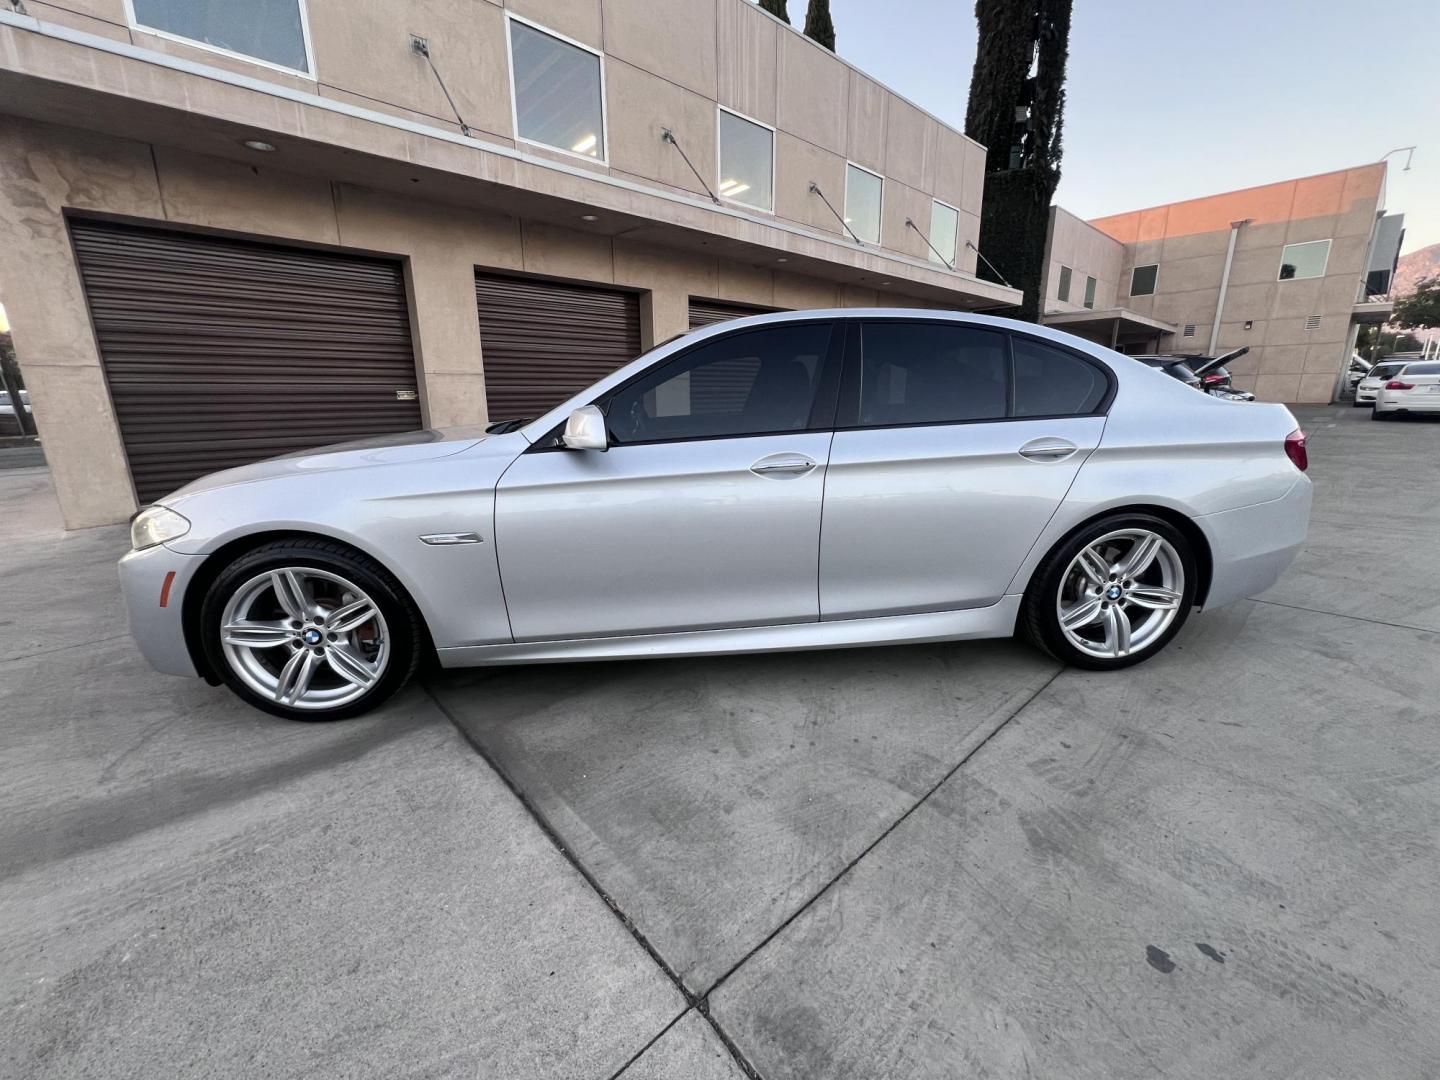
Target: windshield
<point>1384,371</point>
<point>1181,372</point>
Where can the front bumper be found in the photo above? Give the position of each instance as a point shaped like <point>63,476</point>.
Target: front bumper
<point>1251,546</point>
<point>159,630</point>
<point>1365,395</point>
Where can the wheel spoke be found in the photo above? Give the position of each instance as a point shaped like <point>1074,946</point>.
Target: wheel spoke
<point>1082,614</point>
<point>1141,556</point>
<point>291,594</point>
<point>255,635</point>
<point>1154,596</point>
<point>295,677</point>
<point>1093,565</point>
<point>344,619</point>
<point>1117,631</point>
<point>350,667</point>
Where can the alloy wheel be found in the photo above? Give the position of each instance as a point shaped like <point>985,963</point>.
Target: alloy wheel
<point>305,638</point>
<point>1120,593</point>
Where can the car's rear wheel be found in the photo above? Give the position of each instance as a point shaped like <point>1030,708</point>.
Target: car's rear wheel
<point>1376,414</point>
<point>310,630</point>
<point>1112,594</point>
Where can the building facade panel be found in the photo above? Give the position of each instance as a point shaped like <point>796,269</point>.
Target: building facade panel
<point>1291,307</point>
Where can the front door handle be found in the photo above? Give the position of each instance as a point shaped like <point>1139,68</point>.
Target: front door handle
<point>780,465</point>
<point>1047,448</point>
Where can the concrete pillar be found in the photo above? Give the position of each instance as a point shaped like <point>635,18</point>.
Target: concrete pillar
<point>43,170</point>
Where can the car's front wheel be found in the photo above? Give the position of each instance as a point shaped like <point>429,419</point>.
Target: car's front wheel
<point>1113,594</point>
<point>310,630</point>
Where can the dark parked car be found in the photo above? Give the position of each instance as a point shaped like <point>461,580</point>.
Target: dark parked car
<point>1174,366</point>
<point>1209,373</point>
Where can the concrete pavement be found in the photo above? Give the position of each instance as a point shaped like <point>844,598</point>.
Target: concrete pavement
<point>928,861</point>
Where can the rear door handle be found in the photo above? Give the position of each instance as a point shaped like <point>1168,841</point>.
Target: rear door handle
<point>1047,448</point>
<point>781,465</point>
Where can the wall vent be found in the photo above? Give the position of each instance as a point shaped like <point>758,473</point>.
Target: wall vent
<point>1312,323</point>
<point>1189,330</point>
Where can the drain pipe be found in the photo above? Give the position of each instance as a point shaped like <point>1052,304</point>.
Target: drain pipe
<point>1235,227</point>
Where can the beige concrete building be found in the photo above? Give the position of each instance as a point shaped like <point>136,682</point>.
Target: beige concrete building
<point>228,231</point>
<point>1290,269</point>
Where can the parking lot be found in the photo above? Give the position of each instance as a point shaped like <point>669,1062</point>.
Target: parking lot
<point>928,861</point>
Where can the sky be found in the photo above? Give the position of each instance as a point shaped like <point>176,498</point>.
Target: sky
<point>1173,99</point>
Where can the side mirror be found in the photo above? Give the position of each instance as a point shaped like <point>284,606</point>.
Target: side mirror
<point>585,429</point>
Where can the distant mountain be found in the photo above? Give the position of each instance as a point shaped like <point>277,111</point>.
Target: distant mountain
<point>1415,268</point>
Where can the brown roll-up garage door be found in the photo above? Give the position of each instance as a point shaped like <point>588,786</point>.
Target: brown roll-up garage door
<point>221,352</point>
<point>705,312</point>
<point>542,341</point>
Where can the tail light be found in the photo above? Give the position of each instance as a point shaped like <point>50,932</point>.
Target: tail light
<point>1295,450</point>
<point>1396,384</point>
<point>1211,380</point>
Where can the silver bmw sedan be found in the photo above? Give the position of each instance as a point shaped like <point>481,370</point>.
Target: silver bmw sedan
<point>806,480</point>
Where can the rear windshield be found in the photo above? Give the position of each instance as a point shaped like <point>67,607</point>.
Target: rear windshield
<point>1422,369</point>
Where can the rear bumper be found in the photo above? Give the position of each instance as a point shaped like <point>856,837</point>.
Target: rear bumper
<point>1251,546</point>
<point>159,631</point>
<point>1408,400</point>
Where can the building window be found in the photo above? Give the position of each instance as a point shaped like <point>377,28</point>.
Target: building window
<point>1142,280</point>
<point>1089,292</point>
<point>864,192</point>
<point>1304,260</point>
<point>747,161</point>
<point>1064,293</point>
<point>272,32</point>
<point>944,229</point>
<point>559,91</point>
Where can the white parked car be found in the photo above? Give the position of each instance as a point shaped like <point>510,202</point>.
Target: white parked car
<point>1414,388</point>
<point>1377,377</point>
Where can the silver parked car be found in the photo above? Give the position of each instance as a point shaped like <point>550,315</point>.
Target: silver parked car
<point>973,476</point>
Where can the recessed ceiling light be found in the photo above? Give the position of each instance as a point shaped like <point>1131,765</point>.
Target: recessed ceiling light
<point>887,283</point>
<point>259,144</point>
<point>589,217</point>
<point>782,260</point>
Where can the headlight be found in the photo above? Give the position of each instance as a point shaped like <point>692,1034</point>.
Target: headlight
<point>155,525</point>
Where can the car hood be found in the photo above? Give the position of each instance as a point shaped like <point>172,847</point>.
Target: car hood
<point>400,448</point>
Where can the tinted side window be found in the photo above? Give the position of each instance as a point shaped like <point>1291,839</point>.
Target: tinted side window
<point>748,383</point>
<point>1049,382</point>
<point>928,373</point>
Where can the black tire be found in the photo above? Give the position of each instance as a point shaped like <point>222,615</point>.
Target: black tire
<point>1376,414</point>
<point>1040,621</point>
<point>406,633</point>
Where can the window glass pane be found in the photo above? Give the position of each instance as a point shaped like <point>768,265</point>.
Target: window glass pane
<point>863,192</point>
<point>1089,292</point>
<point>265,29</point>
<point>1422,369</point>
<point>747,383</point>
<point>926,373</point>
<point>944,226</point>
<point>1142,280</point>
<point>1049,382</point>
<point>747,162</point>
<point>1065,283</point>
<point>557,92</point>
<point>1304,260</point>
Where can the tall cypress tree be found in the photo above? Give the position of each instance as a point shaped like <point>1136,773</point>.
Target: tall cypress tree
<point>776,8</point>
<point>818,25</point>
<point>1017,105</point>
